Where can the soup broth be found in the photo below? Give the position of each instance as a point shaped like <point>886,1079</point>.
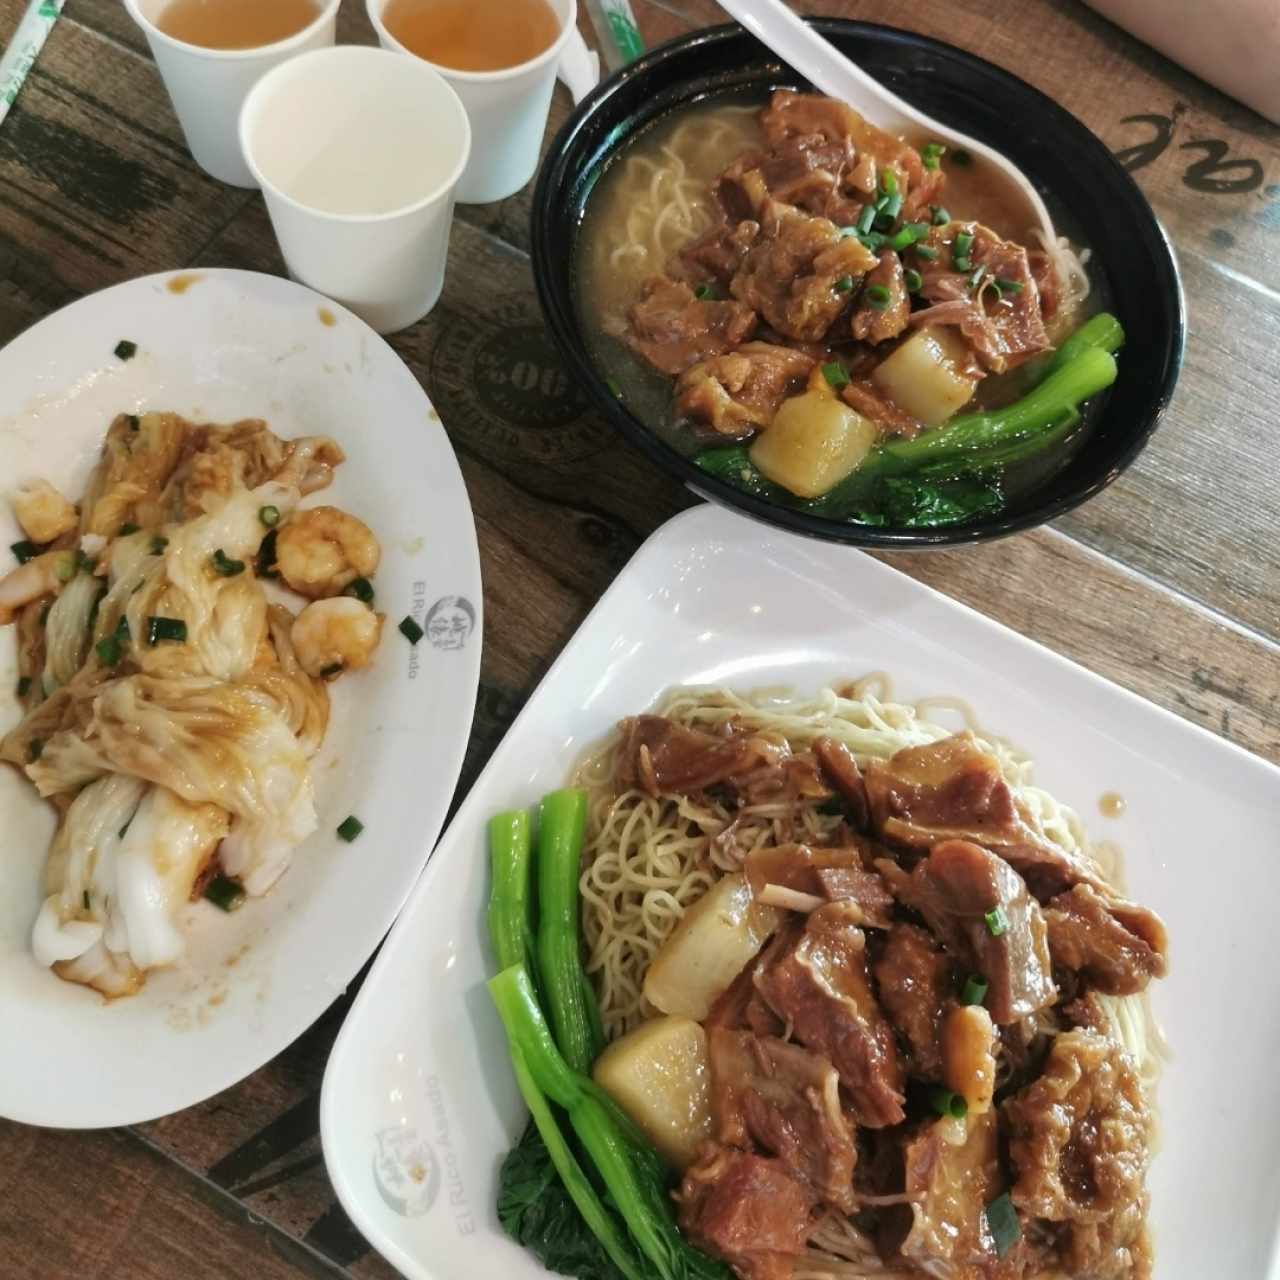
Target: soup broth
<point>656,196</point>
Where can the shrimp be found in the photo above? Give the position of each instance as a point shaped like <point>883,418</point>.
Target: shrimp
<point>43,512</point>
<point>40,576</point>
<point>323,550</point>
<point>330,636</point>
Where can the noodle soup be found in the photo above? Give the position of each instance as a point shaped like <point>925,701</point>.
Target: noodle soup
<point>664,210</point>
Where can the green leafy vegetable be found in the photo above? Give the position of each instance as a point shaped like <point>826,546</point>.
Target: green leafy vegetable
<point>913,503</point>
<point>537,1212</point>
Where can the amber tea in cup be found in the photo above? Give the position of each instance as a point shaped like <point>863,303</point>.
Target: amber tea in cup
<point>473,35</point>
<point>235,24</point>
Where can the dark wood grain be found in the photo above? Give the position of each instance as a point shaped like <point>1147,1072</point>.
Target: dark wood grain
<point>1168,583</point>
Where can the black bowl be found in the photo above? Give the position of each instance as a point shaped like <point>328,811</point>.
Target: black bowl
<point>1062,157</point>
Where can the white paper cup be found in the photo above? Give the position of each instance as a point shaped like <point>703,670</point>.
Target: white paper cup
<point>508,109</point>
<point>208,86</point>
<point>358,152</point>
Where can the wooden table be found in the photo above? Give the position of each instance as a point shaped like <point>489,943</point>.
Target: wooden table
<point>1169,583</point>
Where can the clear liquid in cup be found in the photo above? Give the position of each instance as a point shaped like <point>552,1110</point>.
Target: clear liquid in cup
<point>473,35</point>
<point>236,24</point>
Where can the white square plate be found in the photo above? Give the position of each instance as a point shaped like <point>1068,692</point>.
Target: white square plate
<point>419,1105</point>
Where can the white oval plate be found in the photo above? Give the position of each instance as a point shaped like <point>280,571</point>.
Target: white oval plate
<point>419,1106</point>
<point>233,344</point>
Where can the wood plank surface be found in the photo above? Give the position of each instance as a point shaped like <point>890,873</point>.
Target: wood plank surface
<point>1169,583</point>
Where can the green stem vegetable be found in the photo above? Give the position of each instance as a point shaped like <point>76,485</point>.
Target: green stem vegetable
<point>1103,331</point>
<point>511,930</point>
<point>510,897</point>
<point>562,823</point>
<point>1090,371</point>
<point>962,447</point>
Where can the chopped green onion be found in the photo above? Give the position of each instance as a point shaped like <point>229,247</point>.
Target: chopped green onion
<point>866,218</point>
<point>109,651</point>
<point>846,232</point>
<point>1002,1222</point>
<point>997,922</point>
<point>874,241</point>
<point>225,893</point>
<point>931,153</point>
<point>889,182</point>
<point>962,158</point>
<point>24,686</point>
<point>158,544</point>
<point>963,243</point>
<point>24,551</point>
<point>133,420</point>
<point>889,208</point>
<point>127,528</point>
<point>84,897</point>
<point>843,285</point>
<point>35,750</point>
<point>835,374</point>
<point>84,563</point>
<point>270,516</point>
<point>266,566</point>
<point>927,252</point>
<point>410,630</point>
<point>65,568</point>
<point>976,278</point>
<point>224,566</point>
<point>333,669</point>
<point>908,235</point>
<point>915,281</point>
<point>1008,286</point>
<point>350,827</point>
<point>165,629</point>
<point>361,588</point>
<point>613,386</point>
<point>126,350</point>
<point>940,215</point>
<point>947,1103</point>
<point>876,296</point>
<point>706,293</point>
<point>975,990</point>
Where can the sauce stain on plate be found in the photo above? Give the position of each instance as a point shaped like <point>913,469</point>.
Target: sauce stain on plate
<point>181,283</point>
<point>327,318</point>
<point>1111,804</point>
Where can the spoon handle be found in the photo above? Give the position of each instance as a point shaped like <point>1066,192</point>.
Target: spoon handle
<point>829,71</point>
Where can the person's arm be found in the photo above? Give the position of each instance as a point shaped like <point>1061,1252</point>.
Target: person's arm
<point>1233,44</point>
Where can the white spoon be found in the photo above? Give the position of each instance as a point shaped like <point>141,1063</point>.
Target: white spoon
<point>829,71</point>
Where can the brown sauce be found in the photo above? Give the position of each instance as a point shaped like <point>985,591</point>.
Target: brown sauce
<point>180,284</point>
<point>327,318</point>
<point>1112,804</point>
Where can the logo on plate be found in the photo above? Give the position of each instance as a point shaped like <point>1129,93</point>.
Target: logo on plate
<point>450,622</point>
<point>406,1171</point>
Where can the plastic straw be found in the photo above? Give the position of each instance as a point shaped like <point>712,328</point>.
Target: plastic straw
<point>616,29</point>
<point>23,50</point>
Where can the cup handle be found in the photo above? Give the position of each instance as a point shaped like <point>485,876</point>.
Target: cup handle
<point>579,67</point>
